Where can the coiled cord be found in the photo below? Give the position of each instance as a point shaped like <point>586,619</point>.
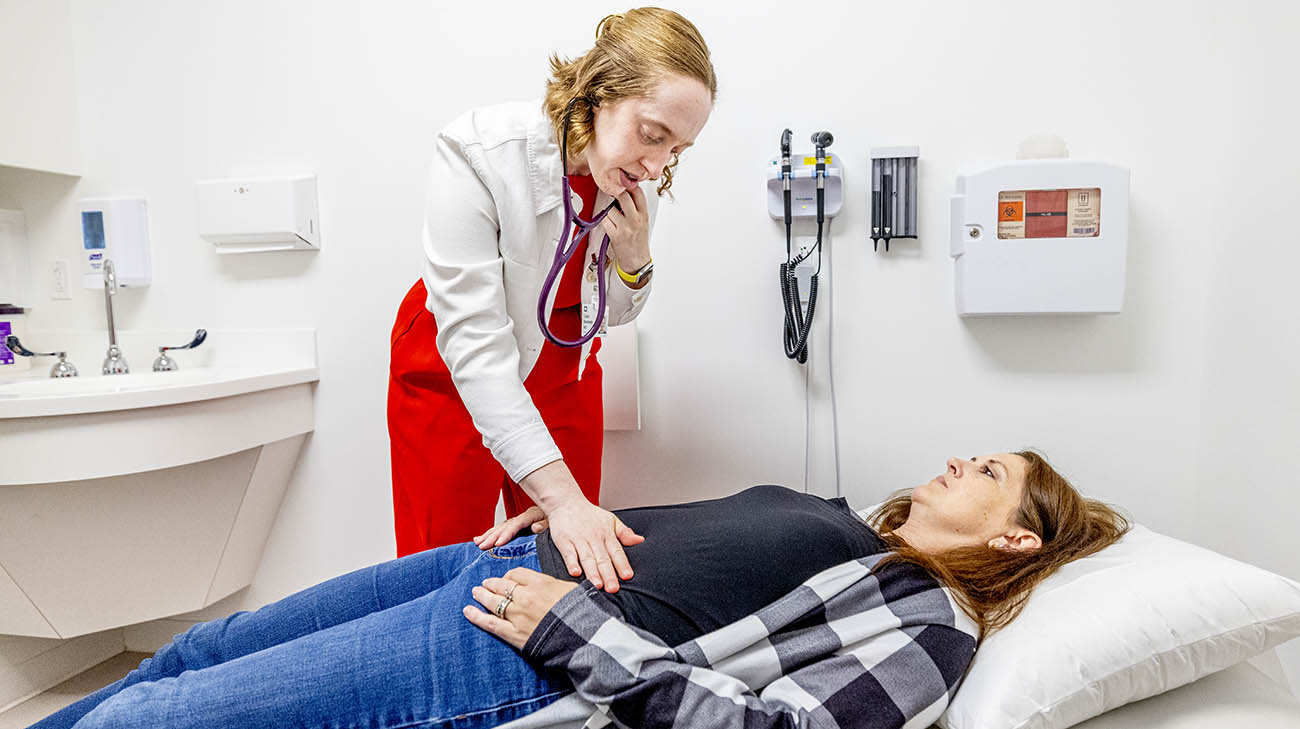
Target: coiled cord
<point>797,325</point>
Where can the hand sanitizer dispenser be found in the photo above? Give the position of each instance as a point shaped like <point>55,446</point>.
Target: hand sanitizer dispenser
<point>117,229</point>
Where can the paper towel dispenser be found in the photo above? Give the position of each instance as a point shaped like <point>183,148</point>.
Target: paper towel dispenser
<point>265,214</point>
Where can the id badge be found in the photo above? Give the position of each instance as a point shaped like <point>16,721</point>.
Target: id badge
<point>589,308</point>
<point>591,303</point>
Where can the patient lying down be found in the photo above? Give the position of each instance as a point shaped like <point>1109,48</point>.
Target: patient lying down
<point>768,608</point>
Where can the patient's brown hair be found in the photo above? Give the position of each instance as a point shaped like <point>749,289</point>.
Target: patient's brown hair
<point>991,585</point>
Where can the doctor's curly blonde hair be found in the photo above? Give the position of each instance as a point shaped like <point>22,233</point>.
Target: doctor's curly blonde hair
<point>633,51</point>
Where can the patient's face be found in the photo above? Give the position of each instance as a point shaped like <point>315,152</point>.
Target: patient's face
<point>973,502</point>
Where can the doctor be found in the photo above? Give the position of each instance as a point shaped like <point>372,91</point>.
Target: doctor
<point>481,400</point>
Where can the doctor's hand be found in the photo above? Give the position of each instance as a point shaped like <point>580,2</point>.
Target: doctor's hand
<point>528,595</point>
<point>629,230</point>
<point>591,541</point>
<point>506,530</point>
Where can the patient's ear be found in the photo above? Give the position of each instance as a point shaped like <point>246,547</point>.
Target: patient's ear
<point>1016,540</point>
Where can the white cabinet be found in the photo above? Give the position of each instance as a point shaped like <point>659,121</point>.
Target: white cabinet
<point>39,127</point>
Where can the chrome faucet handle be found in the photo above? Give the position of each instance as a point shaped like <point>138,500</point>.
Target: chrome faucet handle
<point>167,364</point>
<point>62,368</point>
<point>17,348</point>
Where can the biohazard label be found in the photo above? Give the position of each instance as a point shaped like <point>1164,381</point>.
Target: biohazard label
<point>1073,213</point>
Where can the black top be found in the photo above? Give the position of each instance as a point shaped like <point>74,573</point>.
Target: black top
<point>706,564</point>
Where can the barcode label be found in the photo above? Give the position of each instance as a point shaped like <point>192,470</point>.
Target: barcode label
<point>1084,231</point>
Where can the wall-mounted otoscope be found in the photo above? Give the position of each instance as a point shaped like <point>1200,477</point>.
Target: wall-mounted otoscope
<point>786,136</point>
<point>809,187</point>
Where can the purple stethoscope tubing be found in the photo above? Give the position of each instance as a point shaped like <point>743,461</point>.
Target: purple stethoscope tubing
<point>565,251</point>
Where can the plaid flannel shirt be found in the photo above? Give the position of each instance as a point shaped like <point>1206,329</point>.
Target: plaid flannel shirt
<point>844,650</point>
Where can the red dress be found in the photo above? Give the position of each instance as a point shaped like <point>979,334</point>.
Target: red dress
<point>445,481</point>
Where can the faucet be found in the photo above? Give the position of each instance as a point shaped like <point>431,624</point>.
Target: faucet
<point>167,364</point>
<point>114,362</point>
<point>62,368</point>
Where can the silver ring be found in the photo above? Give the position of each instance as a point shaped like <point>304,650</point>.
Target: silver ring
<point>510,594</point>
<point>501,607</point>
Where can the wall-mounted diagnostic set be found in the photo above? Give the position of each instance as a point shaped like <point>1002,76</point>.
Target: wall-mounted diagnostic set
<point>802,186</point>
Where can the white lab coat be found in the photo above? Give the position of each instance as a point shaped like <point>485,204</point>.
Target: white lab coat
<point>493,221</point>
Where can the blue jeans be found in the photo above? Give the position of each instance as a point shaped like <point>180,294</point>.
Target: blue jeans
<point>383,647</point>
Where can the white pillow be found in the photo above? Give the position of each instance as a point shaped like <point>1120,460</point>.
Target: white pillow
<point>1145,615</point>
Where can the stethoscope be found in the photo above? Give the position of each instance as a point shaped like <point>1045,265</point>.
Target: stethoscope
<point>565,250</point>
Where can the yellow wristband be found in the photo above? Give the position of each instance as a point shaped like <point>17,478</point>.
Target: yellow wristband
<point>630,278</point>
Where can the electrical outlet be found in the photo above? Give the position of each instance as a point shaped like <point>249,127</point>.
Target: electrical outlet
<point>61,288</point>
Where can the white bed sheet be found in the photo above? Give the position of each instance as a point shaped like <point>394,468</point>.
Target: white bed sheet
<point>1250,695</point>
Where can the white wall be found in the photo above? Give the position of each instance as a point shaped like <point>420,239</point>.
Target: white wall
<point>1182,409</point>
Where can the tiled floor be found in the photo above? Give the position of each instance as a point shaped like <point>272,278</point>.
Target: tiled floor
<point>40,706</point>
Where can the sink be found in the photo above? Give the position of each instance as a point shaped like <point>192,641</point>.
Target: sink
<point>47,396</point>
<point>128,498</point>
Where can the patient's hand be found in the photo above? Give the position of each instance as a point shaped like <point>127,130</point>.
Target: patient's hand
<point>506,530</point>
<point>532,594</point>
